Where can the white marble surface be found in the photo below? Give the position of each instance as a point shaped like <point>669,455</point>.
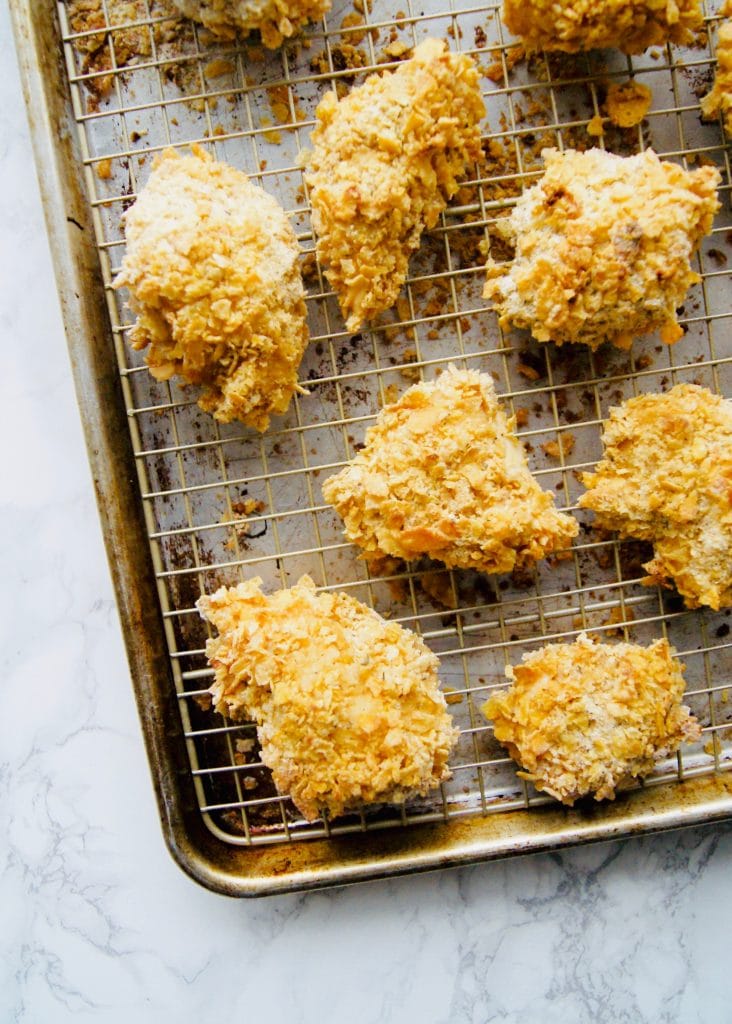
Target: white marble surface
<point>96,922</point>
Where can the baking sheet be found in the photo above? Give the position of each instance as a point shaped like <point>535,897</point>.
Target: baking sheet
<point>222,503</point>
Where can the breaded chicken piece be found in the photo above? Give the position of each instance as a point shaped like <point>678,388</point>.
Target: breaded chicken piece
<point>603,244</point>
<point>212,270</point>
<point>585,718</point>
<point>630,25</point>
<point>347,705</point>
<point>385,162</point>
<point>443,474</point>
<point>276,20</point>
<point>666,477</point>
<point>719,100</point>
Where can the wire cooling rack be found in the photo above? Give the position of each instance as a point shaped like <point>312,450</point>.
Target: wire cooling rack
<point>223,503</point>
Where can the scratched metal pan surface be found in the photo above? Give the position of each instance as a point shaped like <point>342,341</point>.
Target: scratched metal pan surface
<point>188,504</point>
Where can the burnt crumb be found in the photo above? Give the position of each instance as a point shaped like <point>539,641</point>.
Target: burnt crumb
<point>345,57</point>
<point>480,37</point>
<point>522,578</point>
<point>719,257</point>
<point>532,365</point>
<point>722,631</point>
<point>633,555</point>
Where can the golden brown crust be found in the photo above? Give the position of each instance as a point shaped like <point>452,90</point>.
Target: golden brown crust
<point>276,20</point>
<point>603,244</point>
<point>584,718</point>
<point>385,162</point>
<point>212,269</point>
<point>719,100</point>
<point>630,25</point>
<point>666,477</point>
<point>443,474</point>
<point>347,705</point>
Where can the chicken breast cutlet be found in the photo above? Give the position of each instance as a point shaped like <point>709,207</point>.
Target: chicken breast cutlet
<point>276,20</point>
<point>442,474</point>
<point>719,100</point>
<point>666,477</point>
<point>347,705</point>
<point>602,247</point>
<point>630,25</point>
<point>385,161</point>
<point>212,270</point>
<point>585,718</point>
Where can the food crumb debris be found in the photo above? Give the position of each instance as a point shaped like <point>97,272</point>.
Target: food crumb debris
<point>627,103</point>
<point>522,416</point>
<point>104,169</point>
<point>250,782</point>
<point>345,57</point>
<point>594,127</point>
<point>270,134</point>
<point>248,507</point>
<point>438,587</point>
<point>217,68</point>
<point>513,56</point>
<point>563,446</point>
<point>397,49</point>
<point>618,617</point>
<point>411,373</point>
<point>529,372</point>
<point>354,26</point>
<point>452,696</point>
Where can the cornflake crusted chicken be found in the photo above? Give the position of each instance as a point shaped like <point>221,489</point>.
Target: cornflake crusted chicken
<point>443,474</point>
<point>346,704</point>
<point>666,477</point>
<point>630,25</point>
<point>719,100</point>
<point>585,718</point>
<point>212,269</point>
<point>385,161</point>
<point>603,244</point>
<point>276,20</point>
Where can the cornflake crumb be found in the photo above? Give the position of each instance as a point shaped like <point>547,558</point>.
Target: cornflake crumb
<point>627,103</point>
<point>563,446</point>
<point>104,169</point>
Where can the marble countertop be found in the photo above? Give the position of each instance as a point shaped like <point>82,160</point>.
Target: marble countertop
<point>96,921</point>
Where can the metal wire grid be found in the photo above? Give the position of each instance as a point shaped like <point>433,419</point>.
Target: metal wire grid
<point>222,503</point>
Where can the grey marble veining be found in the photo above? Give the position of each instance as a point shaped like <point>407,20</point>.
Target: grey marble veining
<point>96,922</point>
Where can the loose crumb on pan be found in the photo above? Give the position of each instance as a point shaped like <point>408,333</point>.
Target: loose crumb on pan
<point>577,25</point>
<point>211,265</point>
<point>666,477</point>
<point>443,474</point>
<point>718,102</point>
<point>627,103</point>
<point>385,161</point>
<point>602,247</point>
<point>94,44</point>
<point>347,704</point>
<point>586,718</point>
<point>275,20</point>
